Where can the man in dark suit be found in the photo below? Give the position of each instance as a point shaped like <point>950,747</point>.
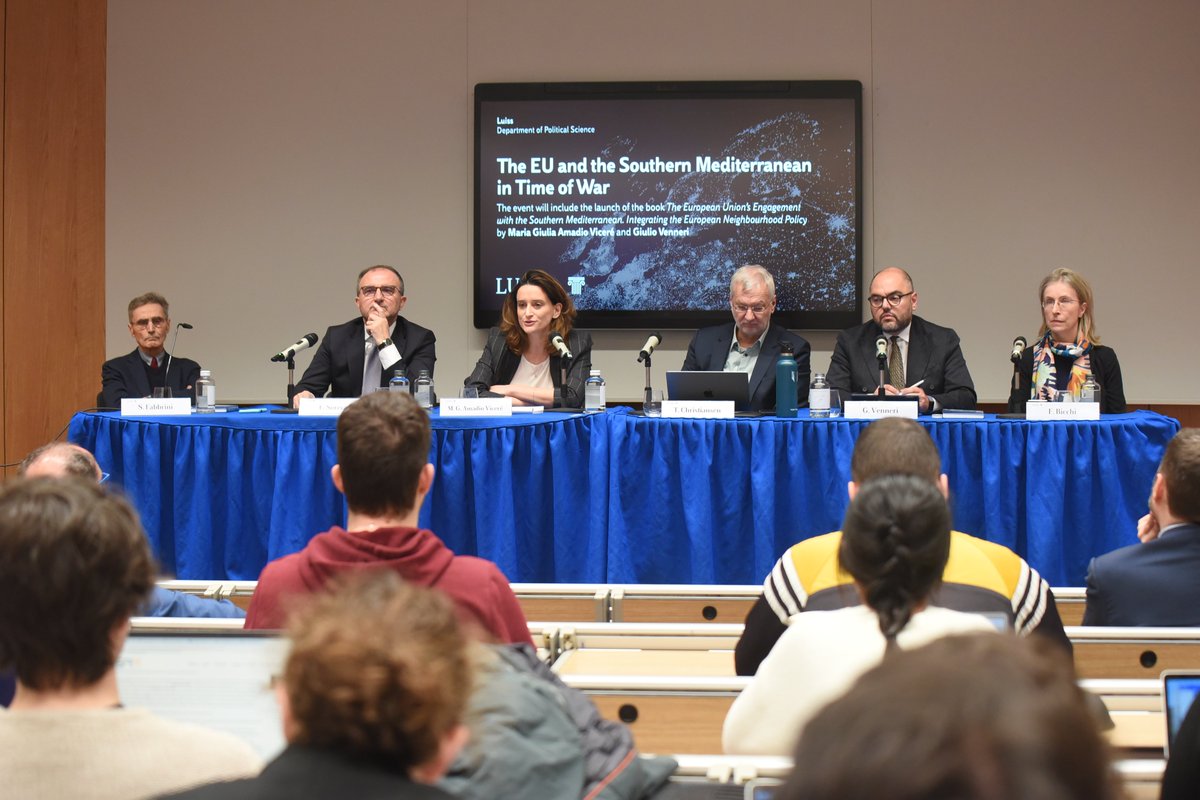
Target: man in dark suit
<point>1155,583</point>
<point>149,366</point>
<point>379,341</point>
<point>752,343</point>
<point>924,359</point>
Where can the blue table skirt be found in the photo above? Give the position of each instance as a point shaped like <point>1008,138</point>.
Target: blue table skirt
<point>619,498</point>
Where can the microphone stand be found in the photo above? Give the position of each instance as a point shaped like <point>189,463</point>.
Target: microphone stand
<point>562,375</point>
<point>882,358</point>
<point>291,389</point>
<point>648,396</point>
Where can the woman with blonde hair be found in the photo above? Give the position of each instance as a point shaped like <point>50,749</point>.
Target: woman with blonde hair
<point>1068,350</point>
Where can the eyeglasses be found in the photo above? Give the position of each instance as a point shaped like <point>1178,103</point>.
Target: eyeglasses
<point>741,310</point>
<point>1065,302</point>
<point>153,322</point>
<point>387,291</point>
<point>893,299</point>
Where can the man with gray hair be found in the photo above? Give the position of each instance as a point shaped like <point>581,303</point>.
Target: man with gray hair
<point>149,366</point>
<point>752,344</point>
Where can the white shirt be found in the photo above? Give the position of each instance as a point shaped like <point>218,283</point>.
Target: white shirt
<point>536,375</point>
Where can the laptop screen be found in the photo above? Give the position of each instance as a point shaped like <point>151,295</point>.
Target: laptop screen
<point>709,385</point>
<point>1179,692</point>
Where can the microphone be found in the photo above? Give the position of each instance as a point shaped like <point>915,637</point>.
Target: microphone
<point>1018,347</point>
<point>654,341</point>
<point>167,369</point>
<point>557,342</point>
<point>308,341</point>
<point>881,347</point>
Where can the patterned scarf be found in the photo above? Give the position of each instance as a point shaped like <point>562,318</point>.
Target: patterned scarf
<point>1045,374</point>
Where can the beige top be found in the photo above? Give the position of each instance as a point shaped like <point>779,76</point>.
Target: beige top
<point>536,375</point>
<point>112,754</point>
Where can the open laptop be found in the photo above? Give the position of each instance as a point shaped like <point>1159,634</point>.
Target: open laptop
<point>710,385</point>
<point>1180,689</point>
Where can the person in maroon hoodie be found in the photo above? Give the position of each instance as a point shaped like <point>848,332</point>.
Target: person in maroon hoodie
<point>384,472</point>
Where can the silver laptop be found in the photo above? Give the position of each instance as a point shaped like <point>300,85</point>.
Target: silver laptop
<point>710,385</point>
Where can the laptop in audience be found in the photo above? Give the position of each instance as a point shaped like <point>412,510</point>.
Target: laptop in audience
<point>1179,691</point>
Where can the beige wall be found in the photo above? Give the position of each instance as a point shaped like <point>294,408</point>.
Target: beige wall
<point>260,153</point>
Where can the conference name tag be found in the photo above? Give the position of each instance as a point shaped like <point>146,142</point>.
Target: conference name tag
<point>698,409</point>
<point>324,406</point>
<point>868,409</point>
<point>155,406</point>
<point>1044,410</point>
<point>476,407</point>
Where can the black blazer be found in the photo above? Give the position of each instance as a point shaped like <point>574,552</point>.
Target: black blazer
<point>125,376</point>
<point>497,365</point>
<point>710,347</point>
<point>934,355</point>
<point>1105,368</point>
<point>338,363</point>
<point>1147,584</point>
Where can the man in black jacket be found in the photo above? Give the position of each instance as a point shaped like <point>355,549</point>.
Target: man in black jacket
<point>149,366</point>
<point>364,352</point>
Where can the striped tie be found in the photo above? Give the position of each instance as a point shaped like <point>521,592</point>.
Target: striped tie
<point>895,364</point>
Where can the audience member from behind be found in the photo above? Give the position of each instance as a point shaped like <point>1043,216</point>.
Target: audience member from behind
<point>1068,351</point>
<point>968,717</point>
<point>518,360</point>
<point>360,356</point>
<point>372,694</point>
<point>1155,582</point>
<point>895,543</point>
<point>752,343</point>
<point>149,366</point>
<point>74,566</point>
<point>383,470</point>
<point>980,576</point>
<point>59,460</point>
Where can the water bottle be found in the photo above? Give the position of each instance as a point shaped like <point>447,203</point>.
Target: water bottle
<point>1090,391</point>
<point>206,393</point>
<point>785,382</point>
<point>593,392</point>
<point>424,389</point>
<point>399,382</point>
<point>818,397</point>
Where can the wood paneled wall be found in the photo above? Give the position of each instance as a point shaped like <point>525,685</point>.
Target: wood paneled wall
<point>52,249</point>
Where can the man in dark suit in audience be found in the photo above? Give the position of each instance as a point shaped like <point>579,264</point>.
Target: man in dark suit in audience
<point>364,352</point>
<point>1156,582</point>
<point>752,343</point>
<point>924,360</point>
<point>149,366</point>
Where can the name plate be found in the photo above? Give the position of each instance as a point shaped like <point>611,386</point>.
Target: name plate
<point>324,406</point>
<point>1043,410</point>
<point>155,406</point>
<point>878,409</point>
<point>476,407</point>
<point>698,409</point>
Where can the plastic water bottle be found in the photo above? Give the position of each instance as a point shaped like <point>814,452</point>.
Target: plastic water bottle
<point>593,392</point>
<point>1090,391</point>
<point>786,393</point>
<point>399,382</point>
<point>818,396</point>
<point>206,393</point>
<point>424,389</point>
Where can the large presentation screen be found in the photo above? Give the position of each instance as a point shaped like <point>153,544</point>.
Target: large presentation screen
<point>643,198</point>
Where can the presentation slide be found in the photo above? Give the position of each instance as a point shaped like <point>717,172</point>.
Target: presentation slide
<point>643,207</point>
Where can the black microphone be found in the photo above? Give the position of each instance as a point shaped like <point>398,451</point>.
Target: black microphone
<point>557,341</point>
<point>187,327</point>
<point>1018,347</point>
<point>881,347</point>
<point>654,341</point>
<point>308,341</point>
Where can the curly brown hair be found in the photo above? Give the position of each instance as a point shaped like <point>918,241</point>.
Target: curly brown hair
<point>511,327</point>
<point>378,669</point>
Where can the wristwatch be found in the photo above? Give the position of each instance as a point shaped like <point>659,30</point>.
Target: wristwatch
<point>385,343</point>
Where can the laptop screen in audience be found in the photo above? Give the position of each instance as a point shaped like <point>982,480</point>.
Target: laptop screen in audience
<point>219,680</point>
<point>1180,689</point>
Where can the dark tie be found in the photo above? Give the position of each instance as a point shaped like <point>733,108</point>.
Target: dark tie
<point>895,364</point>
<point>153,362</point>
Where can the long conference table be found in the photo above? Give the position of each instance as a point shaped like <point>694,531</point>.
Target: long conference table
<point>617,497</point>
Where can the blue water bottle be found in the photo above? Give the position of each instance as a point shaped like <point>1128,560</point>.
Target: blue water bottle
<point>785,383</point>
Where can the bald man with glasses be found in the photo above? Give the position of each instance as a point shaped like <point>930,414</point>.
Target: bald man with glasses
<point>359,357</point>
<point>924,360</point>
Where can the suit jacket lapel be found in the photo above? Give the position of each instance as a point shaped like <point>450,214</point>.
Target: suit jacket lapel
<point>721,351</point>
<point>873,332</point>
<point>768,354</point>
<point>918,354</point>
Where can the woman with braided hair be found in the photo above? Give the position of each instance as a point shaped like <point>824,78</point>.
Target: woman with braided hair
<point>895,542</point>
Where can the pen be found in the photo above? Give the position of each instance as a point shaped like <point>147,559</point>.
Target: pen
<point>252,410</point>
<point>918,383</point>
